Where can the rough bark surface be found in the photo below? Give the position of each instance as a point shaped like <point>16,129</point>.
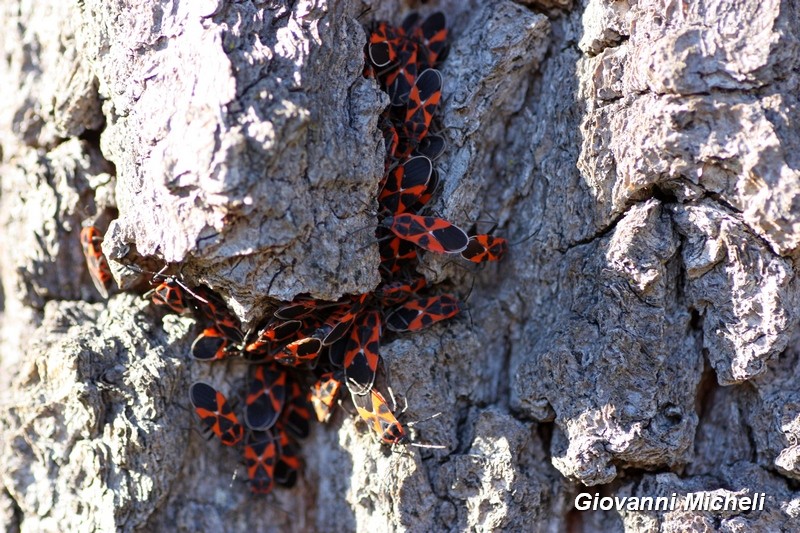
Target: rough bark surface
<point>640,339</point>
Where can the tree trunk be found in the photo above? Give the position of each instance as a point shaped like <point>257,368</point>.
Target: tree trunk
<point>640,339</point>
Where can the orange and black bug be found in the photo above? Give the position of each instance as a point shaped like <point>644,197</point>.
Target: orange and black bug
<point>300,351</point>
<point>289,463</point>
<point>336,352</point>
<point>210,345</point>
<point>336,325</point>
<point>381,49</point>
<point>399,81</point>
<point>299,308</point>
<point>96,262</point>
<point>423,100</point>
<point>433,185</point>
<point>420,313</point>
<point>395,252</point>
<point>432,147</point>
<point>380,54</point>
<point>405,185</point>
<point>266,397</point>
<point>315,321</point>
<point>431,36</point>
<point>484,247</point>
<point>361,355</point>
<point>261,452</point>
<point>230,327</point>
<point>374,409</point>
<point>429,233</point>
<point>323,395</point>
<point>397,292</point>
<point>274,331</point>
<point>410,22</point>
<point>339,322</point>
<point>390,137</point>
<point>209,305</point>
<point>171,294</point>
<point>296,415</point>
<point>215,412</point>
<point>321,327</point>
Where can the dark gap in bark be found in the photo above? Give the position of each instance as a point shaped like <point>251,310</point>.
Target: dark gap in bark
<point>574,521</point>
<point>93,136</point>
<point>705,390</point>
<point>664,195</point>
<point>720,200</point>
<point>696,321</point>
<point>751,438</point>
<point>636,473</point>
<point>464,431</point>
<point>17,516</point>
<point>598,235</point>
<point>545,432</point>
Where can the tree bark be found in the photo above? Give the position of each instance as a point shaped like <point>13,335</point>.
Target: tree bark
<point>640,339</point>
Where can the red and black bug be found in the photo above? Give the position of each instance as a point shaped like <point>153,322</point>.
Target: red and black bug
<point>210,345</point>
<point>396,253</point>
<point>336,352</point>
<point>380,54</point>
<point>266,397</point>
<point>399,81</point>
<point>231,328</point>
<point>341,319</point>
<point>296,415</point>
<point>374,409</point>
<point>289,463</point>
<point>96,262</point>
<point>323,395</point>
<point>410,22</point>
<point>432,147</point>
<point>433,185</point>
<point>429,233</point>
<point>420,313</point>
<point>431,36</point>
<point>275,331</point>
<point>390,137</point>
<point>171,294</point>
<point>261,452</point>
<point>215,412</point>
<point>423,100</point>
<point>298,352</point>
<point>361,356</point>
<point>381,49</point>
<point>484,247</point>
<point>398,291</point>
<point>336,325</point>
<point>210,305</point>
<point>296,310</point>
<point>405,185</point>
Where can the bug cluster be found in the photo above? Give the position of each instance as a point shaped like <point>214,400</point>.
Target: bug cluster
<point>307,351</point>
<point>405,60</point>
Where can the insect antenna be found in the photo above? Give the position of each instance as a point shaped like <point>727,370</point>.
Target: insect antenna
<point>429,446</point>
<point>364,12</point>
<point>525,239</point>
<point>160,275</point>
